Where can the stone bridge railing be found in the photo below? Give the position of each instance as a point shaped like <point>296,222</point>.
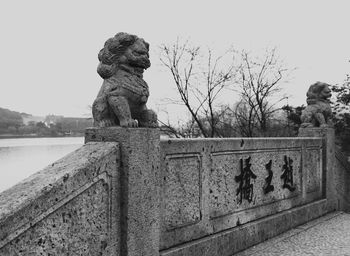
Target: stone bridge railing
<point>69,208</point>
<point>126,192</point>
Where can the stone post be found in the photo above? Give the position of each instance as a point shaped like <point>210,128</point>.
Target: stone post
<point>328,162</point>
<point>139,186</point>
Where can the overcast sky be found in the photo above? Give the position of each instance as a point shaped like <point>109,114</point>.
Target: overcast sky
<point>48,49</point>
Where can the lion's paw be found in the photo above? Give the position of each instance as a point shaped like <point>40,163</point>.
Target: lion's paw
<point>129,123</point>
<point>106,123</point>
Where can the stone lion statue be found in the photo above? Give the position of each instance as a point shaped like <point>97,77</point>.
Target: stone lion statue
<point>122,98</point>
<point>318,113</point>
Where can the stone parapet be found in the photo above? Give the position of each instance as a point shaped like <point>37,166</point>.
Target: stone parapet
<point>69,208</point>
<point>220,196</point>
<point>127,193</point>
<point>139,186</point>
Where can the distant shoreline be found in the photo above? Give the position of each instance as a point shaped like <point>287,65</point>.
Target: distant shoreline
<point>16,136</point>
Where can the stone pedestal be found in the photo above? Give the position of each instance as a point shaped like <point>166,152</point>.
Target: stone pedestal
<point>139,186</point>
<point>328,161</point>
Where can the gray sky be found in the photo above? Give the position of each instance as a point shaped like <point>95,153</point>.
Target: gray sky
<point>49,49</point>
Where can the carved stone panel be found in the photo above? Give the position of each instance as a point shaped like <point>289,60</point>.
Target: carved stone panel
<point>243,180</point>
<point>313,164</point>
<point>78,227</point>
<point>182,190</point>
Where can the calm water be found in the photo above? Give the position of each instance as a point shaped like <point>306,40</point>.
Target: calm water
<point>19,158</point>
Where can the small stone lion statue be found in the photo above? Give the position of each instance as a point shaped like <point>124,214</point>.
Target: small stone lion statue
<point>318,113</point>
<point>122,98</point>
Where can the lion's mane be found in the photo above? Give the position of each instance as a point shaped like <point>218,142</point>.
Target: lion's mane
<point>314,93</point>
<point>113,49</point>
<point>318,111</point>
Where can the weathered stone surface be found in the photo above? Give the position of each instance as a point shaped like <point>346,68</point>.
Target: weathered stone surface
<point>140,186</point>
<point>192,202</point>
<point>314,170</point>
<point>69,208</point>
<point>225,197</point>
<point>182,190</point>
<point>318,113</point>
<point>79,227</point>
<point>228,242</point>
<point>342,180</point>
<point>221,201</point>
<point>328,235</point>
<point>122,98</point>
<point>328,161</point>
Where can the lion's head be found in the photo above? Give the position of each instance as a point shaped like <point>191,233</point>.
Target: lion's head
<point>318,92</point>
<point>123,49</point>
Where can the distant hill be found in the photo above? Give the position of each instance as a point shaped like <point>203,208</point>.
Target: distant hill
<point>16,123</point>
<point>10,118</point>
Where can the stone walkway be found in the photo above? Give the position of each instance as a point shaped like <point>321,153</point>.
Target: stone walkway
<point>328,235</point>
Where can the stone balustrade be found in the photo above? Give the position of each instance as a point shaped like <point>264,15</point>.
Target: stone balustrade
<point>127,192</point>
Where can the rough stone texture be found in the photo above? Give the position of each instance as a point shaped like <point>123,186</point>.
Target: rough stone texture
<point>228,242</point>
<point>94,203</point>
<point>223,186</point>
<point>313,163</point>
<point>200,186</point>
<point>182,203</point>
<point>329,235</point>
<point>123,96</point>
<point>342,181</point>
<point>69,208</point>
<point>328,167</point>
<point>318,113</point>
<point>79,227</point>
<point>140,181</point>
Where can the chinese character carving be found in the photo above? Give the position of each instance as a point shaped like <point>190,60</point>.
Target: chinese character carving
<point>268,187</point>
<point>287,175</point>
<point>245,189</point>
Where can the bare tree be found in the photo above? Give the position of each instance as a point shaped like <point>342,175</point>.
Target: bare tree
<point>226,126</point>
<point>245,119</point>
<point>179,131</point>
<point>198,86</point>
<point>258,79</point>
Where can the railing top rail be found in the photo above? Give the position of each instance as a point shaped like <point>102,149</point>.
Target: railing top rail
<point>244,138</point>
